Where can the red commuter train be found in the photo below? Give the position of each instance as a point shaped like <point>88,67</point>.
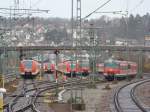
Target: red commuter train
<point>119,69</point>
<point>49,67</point>
<point>64,67</point>
<point>29,68</point>
<point>77,68</point>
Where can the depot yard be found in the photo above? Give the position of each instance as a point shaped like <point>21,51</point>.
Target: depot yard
<point>96,99</point>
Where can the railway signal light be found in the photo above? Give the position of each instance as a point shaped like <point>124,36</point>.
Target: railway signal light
<point>56,52</point>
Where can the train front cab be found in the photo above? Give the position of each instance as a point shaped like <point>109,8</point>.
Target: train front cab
<point>49,68</point>
<point>65,68</point>
<point>29,69</point>
<point>111,68</point>
<point>82,68</point>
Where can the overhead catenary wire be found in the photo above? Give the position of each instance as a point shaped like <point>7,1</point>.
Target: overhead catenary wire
<point>138,5</point>
<point>36,3</point>
<point>115,12</point>
<point>96,9</point>
<point>99,1</point>
<point>20,9</point>
<point>26,9</point>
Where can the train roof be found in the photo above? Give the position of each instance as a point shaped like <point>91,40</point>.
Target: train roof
<point>119,61</point>
<point>28,60</point>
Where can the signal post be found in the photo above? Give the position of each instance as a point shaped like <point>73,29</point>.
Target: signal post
<point>2,91</point>
<point>56,52</point>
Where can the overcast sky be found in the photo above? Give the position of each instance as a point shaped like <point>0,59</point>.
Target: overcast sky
<point>62,8</point>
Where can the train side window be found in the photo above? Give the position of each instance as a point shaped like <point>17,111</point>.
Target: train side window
<point>123,67</point>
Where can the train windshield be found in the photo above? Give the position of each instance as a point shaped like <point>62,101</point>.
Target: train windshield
<point>112,65</point>
<point>84,63</point>
<point>28,64</point>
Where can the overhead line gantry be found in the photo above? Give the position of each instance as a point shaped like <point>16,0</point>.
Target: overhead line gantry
<point>39,10</point>
<point>99,47</point>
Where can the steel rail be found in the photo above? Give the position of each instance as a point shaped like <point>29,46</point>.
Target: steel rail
<point>68,84</point>
<point>134,98</point>
<point>51,85</point>
<point>117,104</point>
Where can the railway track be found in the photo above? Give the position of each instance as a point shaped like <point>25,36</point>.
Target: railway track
<point>76,83</point>
<point>23,101</point>
<point>125,99</point>
<point>9,77</point>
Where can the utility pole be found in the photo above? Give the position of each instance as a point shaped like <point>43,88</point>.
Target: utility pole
<point>77,39</point>
<point>72,21</point>
<point>127,52</point>
<point>78,43</point>
<point>4,66</point>
<point>78,21</point>
<point>78,28</point>
<point>140,64</point>
<point>92,51</point>
<point>56,52</point>
<point>16,6</point>
<point>3,57</point>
